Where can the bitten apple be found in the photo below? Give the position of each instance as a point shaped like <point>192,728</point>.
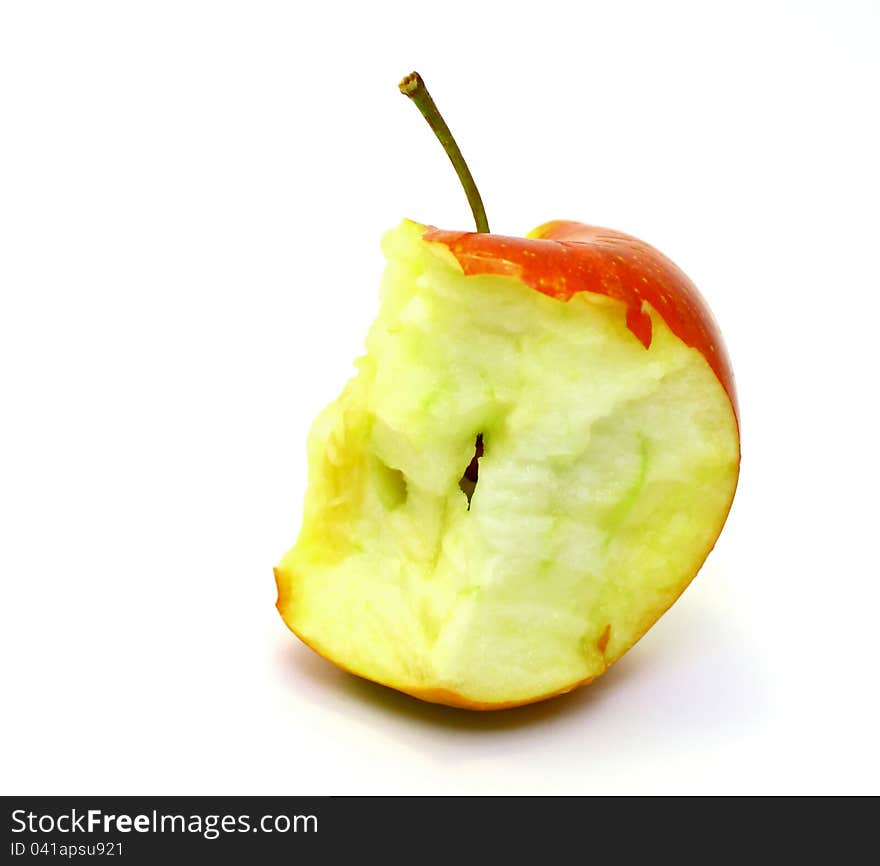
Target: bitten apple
<point>538,452</point>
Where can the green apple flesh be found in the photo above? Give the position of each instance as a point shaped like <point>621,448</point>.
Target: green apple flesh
<point>606,475</point>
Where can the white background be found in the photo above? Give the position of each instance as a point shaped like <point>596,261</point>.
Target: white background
<point>191,201</point>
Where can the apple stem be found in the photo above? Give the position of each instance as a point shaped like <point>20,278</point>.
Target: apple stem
<point>413,87</point>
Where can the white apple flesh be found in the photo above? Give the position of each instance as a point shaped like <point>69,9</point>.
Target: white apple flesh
<point>607,473</point>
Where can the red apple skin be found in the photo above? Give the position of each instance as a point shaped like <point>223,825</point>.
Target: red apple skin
<point>562,258</point>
